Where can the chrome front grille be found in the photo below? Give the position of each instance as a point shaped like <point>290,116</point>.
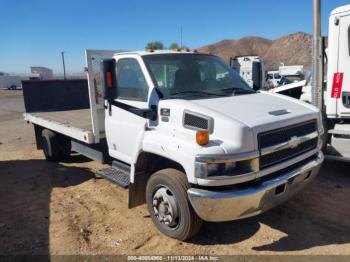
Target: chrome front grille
<point>285,143</point>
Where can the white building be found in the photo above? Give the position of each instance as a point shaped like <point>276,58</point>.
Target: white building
<point>40,72</point>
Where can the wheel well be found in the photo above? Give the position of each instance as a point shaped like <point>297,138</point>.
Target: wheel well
<point>149,162</point>
<point>146,165</point>
<point>38,136</point>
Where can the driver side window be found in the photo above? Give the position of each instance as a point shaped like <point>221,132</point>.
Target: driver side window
<point>131,81</point>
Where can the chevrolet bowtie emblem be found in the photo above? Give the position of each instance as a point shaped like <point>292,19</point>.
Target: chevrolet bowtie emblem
<point>294,141</point>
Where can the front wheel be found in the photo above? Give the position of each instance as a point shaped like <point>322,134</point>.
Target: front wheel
<point>168,204</point>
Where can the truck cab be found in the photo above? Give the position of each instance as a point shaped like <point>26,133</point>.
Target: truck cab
<point>251,68</point>
<point>272,79</point>
<point>338,84</point>
<point>336,100</point>
<point>191,138</point>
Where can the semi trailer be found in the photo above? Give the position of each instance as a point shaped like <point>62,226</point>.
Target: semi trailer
<point>183,132</point>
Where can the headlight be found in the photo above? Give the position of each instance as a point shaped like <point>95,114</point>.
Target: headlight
<point>216,169</point>
<point>205,170</point>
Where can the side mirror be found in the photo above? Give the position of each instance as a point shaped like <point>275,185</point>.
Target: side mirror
<point>109,79</point>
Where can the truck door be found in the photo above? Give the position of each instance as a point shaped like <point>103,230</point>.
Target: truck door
<point>341,79</point>
<point>125,129</point>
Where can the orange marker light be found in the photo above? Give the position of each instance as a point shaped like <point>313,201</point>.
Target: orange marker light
<point>109,81</point>
<point>202,137</point>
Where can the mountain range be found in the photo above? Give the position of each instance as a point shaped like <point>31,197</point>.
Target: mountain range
<point>292,49</point>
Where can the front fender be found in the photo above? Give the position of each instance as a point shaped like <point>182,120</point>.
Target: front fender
<point>181,151</point>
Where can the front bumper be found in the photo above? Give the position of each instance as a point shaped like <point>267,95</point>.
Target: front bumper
<point>236,204</point>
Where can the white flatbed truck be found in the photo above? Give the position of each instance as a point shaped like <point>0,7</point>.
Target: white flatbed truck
<point>183,132</point>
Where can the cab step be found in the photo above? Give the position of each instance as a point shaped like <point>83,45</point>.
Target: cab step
<point>118,173</point>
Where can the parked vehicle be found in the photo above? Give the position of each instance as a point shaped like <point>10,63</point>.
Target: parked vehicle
<point>11,82</point>
<point>336,103</point>
<point>293,89</point>
<point>295,70</point>
<point>183,132</point>
<point>251,68</point>
<point>330,94</point>
<point>272,79</point>
<point>295,82</point>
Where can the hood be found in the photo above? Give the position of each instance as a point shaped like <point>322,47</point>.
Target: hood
<point>237,119</point>
<point>261,111</point>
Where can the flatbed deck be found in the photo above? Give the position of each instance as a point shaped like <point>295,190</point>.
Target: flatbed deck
<point>72,123</point>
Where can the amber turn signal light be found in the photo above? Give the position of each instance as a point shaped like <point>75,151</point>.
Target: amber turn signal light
<point>202,137</point>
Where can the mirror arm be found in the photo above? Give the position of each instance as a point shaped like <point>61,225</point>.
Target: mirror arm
<point>148,113</point>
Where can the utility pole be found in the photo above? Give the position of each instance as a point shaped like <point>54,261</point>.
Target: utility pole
<point>317,63</point>
<point>64,66</point>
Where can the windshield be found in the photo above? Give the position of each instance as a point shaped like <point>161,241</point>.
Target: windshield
<point>194,75</point>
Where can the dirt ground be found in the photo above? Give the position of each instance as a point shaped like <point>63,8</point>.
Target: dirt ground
<point>61,208</point>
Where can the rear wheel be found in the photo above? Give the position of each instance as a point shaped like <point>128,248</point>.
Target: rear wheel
<point>168,204</point>
<point>50,145</point>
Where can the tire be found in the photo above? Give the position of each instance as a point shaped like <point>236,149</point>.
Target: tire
<point>65,146</point>
<point>50,145</point>
<point>174,184</point>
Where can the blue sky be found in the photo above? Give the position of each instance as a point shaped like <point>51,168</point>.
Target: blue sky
<point>34,32</point>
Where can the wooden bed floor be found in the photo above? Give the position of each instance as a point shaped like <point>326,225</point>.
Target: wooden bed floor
<point>76,118</point>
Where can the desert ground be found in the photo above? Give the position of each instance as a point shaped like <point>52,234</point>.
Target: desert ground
<point>61,208</point>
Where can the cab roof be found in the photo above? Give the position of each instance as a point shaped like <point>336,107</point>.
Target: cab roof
<point>341,9</point>
<point>158,52</point>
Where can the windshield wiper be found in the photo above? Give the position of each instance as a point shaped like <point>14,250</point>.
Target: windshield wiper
<point>236,90</point>
<point>196,92</point>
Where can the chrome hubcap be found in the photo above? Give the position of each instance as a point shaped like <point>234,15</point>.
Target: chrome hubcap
<point>164,206</point>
